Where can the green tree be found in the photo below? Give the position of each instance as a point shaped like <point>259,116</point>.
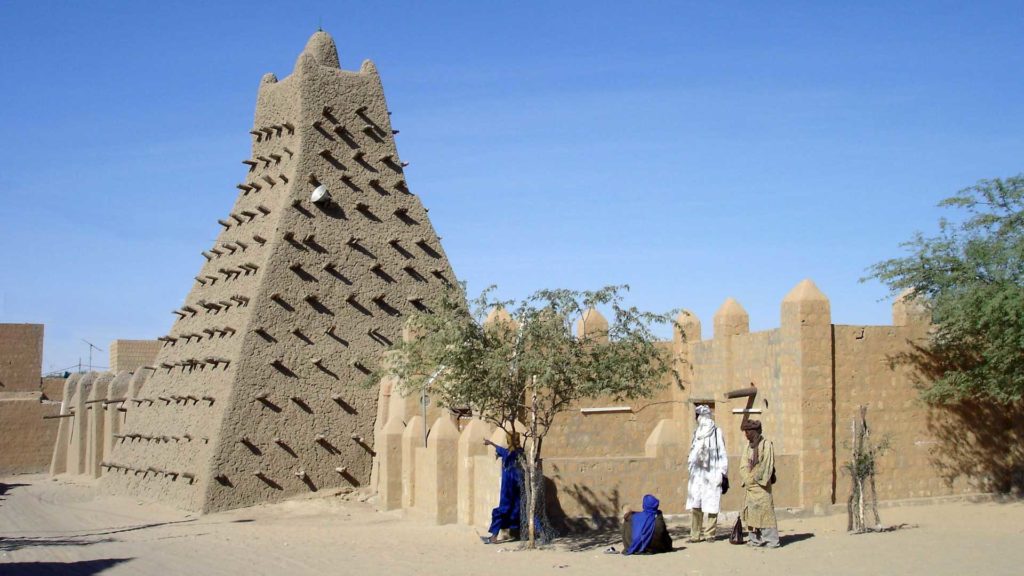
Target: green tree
<point>529,367</point>
<point>971,278</point>
<point>862,467</point>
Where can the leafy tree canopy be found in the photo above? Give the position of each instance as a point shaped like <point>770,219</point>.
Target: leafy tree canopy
<point>971,277</point>
<point>530,366</point>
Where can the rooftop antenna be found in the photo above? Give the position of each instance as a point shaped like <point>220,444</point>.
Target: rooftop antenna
<point>91,346</point>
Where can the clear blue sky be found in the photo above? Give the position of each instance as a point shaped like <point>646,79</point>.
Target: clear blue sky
<point>692,150</point>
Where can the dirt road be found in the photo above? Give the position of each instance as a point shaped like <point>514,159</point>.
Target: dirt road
<point>62,527</point>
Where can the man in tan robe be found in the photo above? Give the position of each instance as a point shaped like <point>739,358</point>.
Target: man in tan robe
<point>757,468</point>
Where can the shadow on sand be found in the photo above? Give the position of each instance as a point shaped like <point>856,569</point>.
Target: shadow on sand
<point>12,544</point>
<point>9,544</point>
<point>787,539</point>
<point>5,488</point>
<point>79,568</point>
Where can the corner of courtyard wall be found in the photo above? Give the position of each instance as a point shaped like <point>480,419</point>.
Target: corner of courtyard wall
<point>806,329</point>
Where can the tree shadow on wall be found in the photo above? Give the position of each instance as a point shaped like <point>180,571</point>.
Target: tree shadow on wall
<point>600,525</point>
<point>603,528</point>
<point>80,568</point>
<point>553,508</point>
<point>579,534</point>
<point>981,442</point>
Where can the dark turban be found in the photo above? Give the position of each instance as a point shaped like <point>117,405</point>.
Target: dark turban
<point>754,425</point>
<point>751,425</point>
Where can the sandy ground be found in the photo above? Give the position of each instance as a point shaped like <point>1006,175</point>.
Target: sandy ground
<point>62,527</point>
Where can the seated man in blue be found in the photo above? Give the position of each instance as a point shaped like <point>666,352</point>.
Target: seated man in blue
<point>506,515</point>
<point>645,532</point>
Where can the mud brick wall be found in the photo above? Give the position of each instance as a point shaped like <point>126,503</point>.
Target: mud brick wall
<point>865,375</point>
<point>131,354</point>
<point>577,433</point>
<point>21,357</point>
<point>53,389</point>
<point>811,376</point>
<point>26,439</point>
<point>968,447</point>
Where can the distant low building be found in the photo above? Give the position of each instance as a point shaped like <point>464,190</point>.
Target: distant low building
<point>26,439</point>
<point>131,354</point>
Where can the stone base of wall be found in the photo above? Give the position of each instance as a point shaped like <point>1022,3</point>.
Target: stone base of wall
<point>27,439</point>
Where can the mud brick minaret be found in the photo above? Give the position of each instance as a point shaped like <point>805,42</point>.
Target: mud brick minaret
<point>256,393</point>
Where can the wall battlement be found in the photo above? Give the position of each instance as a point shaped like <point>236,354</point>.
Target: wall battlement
<point>811,377</point>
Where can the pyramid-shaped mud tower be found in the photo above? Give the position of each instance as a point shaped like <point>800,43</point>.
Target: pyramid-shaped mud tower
<point>257,392</point>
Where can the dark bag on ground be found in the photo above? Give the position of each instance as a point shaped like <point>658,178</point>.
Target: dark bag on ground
<point>725,483</point>
<point>736,537</point>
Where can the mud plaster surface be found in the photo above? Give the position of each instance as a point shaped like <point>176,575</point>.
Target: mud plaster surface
<point>258,385</point>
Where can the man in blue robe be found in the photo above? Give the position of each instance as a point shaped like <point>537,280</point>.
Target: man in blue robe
<point>506,515</point>
<point>645,532</point>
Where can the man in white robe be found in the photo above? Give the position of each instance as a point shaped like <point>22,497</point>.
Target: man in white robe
<point>708,465</point>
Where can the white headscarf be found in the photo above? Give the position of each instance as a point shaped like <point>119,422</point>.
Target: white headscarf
<point>704,439</point>
<point>705,423</point>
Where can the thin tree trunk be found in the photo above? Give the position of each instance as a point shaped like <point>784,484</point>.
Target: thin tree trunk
<point>862,468</point>
<point>851,525</point>
<point>849,507</point>
<point>874,504</point>
<point>860,505</point>
<point>532,476</point>
<point>871,472</point>
<point>860,472</point>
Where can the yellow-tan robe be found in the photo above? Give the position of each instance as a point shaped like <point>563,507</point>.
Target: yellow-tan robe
<point>758,505</point>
